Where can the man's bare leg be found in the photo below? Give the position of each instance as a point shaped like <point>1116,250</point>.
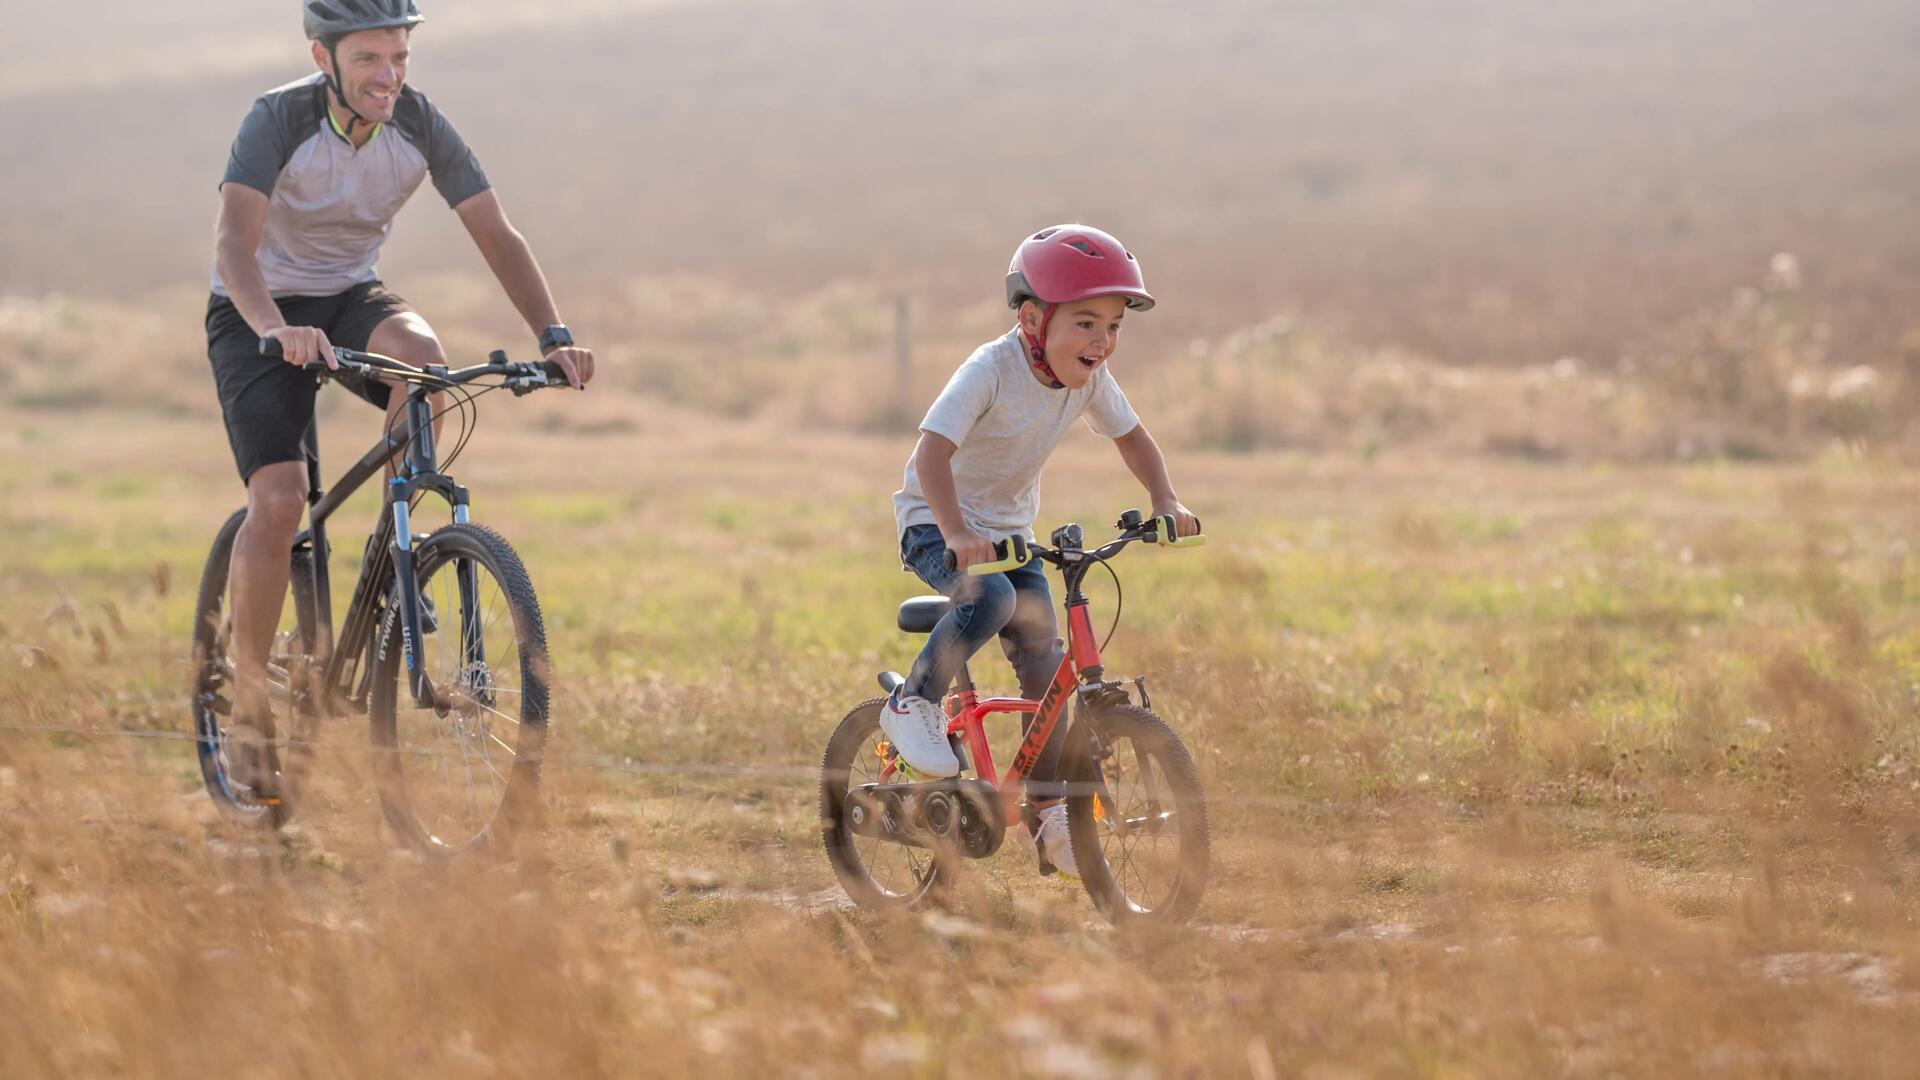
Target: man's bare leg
<point>407,337</point>
<point>258,572</point>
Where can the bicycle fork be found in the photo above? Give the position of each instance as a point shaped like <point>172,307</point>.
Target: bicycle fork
<point>472,645</point>
<point>409,589</point>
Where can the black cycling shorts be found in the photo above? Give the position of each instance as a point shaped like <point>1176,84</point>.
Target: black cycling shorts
<point>268,403</point>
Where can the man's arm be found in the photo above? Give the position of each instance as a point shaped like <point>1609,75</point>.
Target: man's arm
<point>1144,460</point>
<point>511,261</point>
<point>243,214</point>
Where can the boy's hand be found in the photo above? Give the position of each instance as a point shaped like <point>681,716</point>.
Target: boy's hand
<point>1184,523</point>
<point>969,548</point>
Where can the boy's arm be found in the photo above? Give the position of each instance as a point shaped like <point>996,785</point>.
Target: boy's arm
<point>1144,460</point>
<point>933,464</point>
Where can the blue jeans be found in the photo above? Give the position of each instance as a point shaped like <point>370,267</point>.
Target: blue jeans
<point>1015,605</point>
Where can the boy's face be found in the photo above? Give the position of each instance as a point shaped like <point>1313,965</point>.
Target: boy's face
<point>1082,335</point>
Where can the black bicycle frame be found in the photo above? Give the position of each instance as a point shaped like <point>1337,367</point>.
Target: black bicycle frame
<point>343,680</point>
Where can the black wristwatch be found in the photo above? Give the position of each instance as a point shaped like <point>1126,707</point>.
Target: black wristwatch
<point>554,337</point>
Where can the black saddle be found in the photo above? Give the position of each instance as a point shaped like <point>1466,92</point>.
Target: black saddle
<point>918,615</point>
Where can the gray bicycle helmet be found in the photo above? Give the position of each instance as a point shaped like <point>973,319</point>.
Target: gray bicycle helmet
<point>331,20</point>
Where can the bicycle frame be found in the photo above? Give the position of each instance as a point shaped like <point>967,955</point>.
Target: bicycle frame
<point>344,683</point>
<point>1080,673</point>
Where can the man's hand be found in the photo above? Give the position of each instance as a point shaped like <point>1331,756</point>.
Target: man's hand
<point>304,344</point>
<point>969,548</point>
<point>576,363</point>
<point>1184,523</point>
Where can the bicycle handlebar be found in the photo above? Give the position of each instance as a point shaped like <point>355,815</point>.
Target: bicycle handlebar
<point>1016,551</point>
<point>522,377</point>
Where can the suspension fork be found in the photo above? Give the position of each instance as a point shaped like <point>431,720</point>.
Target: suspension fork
<point>408,586</point>
<point>473,645</point>
<point>420,462</point>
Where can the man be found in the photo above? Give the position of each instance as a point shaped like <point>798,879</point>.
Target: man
<point>316,174</point>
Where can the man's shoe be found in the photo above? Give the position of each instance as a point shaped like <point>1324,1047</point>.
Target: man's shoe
<point>249,769</point>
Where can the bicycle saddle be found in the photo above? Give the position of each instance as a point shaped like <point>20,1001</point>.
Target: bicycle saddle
<point>918,615</point>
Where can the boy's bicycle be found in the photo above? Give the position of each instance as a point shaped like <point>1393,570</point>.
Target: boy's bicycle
<point>442,644</point>
<point>1135,812</point>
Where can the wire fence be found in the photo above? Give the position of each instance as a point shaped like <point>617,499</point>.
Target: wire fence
<point>796,773</point>
<point>602,762</point>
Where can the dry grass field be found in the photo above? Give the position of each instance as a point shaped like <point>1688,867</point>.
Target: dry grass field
<point>1553,670</point>
<point>1515,769</point>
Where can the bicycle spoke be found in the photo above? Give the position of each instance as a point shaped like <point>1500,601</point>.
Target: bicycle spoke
<point>503,745</point>
<point>490,616</point>
<point>504,716</point>
<point>1133,843</point>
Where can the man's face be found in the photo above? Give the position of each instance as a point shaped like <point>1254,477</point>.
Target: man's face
<point>373,66</point>
<point>1082,335</point>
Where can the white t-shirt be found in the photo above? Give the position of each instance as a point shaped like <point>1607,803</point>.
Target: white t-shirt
<point>1006,425</point>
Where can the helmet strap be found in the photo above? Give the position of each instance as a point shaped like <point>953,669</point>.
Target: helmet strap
<point>333,83</point>
<point>1037,351</point>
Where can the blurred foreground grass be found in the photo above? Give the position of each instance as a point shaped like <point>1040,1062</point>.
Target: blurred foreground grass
<point>1515,769</point>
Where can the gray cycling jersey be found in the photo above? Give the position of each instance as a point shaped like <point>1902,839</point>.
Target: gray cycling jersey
<point>331,205</point>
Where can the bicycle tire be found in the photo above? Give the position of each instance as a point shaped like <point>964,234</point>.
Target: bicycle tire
<point>212,673</point>
<point>418,810</point>
<point>1136,739</point>
<point>853,856</point>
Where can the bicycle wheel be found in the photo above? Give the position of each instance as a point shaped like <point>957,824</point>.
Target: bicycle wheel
<point>211,691</point>
<point>463,774</point>
<point>875,871</point>
<point>1136,816</point>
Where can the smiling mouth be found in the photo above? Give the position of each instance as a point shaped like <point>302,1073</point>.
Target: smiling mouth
<point>1090,362</point>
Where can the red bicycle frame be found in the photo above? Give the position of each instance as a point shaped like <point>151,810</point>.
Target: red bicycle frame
<point>968,712</point>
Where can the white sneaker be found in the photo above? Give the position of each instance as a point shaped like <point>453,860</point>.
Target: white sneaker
<point>918,730</point>
<point>1053,839</point>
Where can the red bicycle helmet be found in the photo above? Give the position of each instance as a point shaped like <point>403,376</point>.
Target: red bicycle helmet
<point>1074,262</point>
<point>1065,263</point>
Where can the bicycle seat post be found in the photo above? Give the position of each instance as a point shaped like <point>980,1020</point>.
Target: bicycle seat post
<point>963,680</point>
<point>321,648</point>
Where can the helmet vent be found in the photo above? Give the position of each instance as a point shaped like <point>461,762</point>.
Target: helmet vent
<point>1085,248</point>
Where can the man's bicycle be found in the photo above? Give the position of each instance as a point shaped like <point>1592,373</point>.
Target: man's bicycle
<point>442,644</point>
<point>1135,812</point>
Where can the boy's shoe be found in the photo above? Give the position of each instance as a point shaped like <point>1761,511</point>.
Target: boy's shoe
<point>1054,841</point>
<point>918,730</point>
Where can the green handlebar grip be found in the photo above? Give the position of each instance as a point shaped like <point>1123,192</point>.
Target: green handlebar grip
<point>1166,532</point>
<point>1013,552</point>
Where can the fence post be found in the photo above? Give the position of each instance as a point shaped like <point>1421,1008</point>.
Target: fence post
<point>902,360</point>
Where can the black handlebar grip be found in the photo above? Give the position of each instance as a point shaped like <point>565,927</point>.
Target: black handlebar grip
<point>270,348</point>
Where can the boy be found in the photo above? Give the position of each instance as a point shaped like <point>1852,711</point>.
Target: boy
<point>974,479</point>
